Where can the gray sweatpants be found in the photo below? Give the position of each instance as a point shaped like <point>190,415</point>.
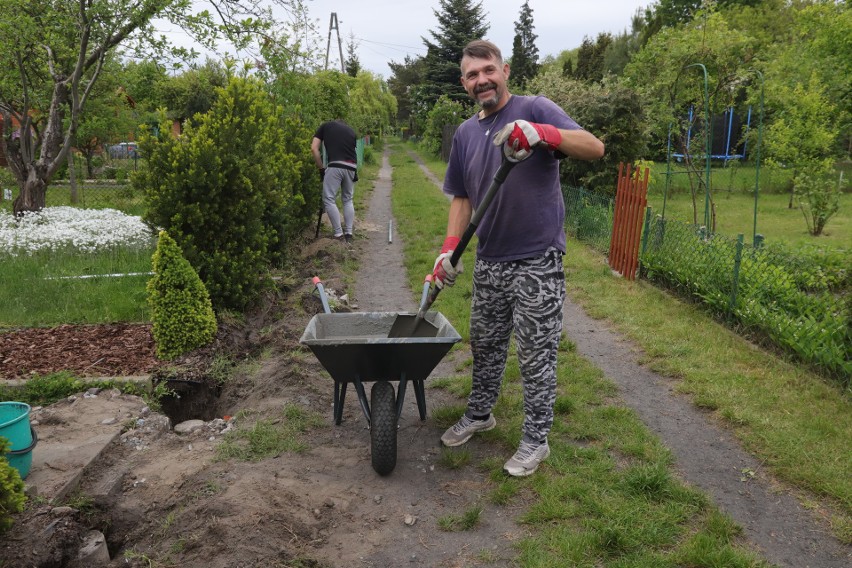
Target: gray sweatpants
<point>343,180</point>
<point>524,296</point>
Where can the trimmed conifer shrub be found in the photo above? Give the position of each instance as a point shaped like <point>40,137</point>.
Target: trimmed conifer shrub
<point>229,189</point>
<point>181,311</point>
<point>12,496</point>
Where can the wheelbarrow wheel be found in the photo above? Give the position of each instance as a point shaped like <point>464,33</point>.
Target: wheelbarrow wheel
<point>383,427</point>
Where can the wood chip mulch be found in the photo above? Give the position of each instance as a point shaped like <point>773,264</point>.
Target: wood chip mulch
<point>104,350</point>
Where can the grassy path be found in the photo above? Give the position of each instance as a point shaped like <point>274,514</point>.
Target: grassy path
<point>796,425</point>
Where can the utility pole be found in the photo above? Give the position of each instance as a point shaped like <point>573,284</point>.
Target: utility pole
<point>332,25</point>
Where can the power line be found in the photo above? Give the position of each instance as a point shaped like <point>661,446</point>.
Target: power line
<point>392,45</point>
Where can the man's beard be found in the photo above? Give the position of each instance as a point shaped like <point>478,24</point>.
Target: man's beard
<point>490,102</point>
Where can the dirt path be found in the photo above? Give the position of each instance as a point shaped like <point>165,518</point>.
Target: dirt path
<point>707,456</point>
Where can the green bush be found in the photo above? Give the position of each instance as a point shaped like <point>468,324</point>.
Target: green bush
<point>230,189</point>
<point>610,111</point>
<point>12,496</point>
<point>445,112</point>
<point>181,311</point>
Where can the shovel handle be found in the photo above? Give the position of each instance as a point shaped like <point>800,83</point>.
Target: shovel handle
<point>475,219</point>
<point>499,177</point>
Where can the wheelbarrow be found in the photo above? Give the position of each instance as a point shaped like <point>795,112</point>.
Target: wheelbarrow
<point>355,348</point>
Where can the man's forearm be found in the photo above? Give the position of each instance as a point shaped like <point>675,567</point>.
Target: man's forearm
<point>580,144</point>
<point>459,216</point>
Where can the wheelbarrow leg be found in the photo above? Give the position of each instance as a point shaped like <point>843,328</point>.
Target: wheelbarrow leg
<point>339,398</point>
<point>362,398</point>
<point>420,395</point>
<point>400,395</point>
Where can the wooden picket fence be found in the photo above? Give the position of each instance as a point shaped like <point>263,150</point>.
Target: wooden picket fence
<point>630,202</point>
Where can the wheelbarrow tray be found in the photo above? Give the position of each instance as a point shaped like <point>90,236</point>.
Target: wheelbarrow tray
<point>355,346</point>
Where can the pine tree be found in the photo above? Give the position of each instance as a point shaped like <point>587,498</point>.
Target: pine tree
<point>524,50</point>
<point>590,58</point>
<point>352,63</point>
<point>459,22</point>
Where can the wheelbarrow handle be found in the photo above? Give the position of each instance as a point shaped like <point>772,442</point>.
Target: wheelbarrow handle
<point>323,298</point>
<point>499,177</point>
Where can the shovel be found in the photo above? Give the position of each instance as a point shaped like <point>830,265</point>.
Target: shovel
<point>407,326</point>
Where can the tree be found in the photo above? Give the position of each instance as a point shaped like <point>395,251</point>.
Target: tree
<point>404,82</point>
<point>226,189</point>
<point>524,50</point>
<point>669,75</point>
<point>459,22</point>
<point>109,116</point>
<point>802,137</point>
<point>590,58</point>
<point>624,46</point>
<point>193,91</point>
<point>373,107</point>
<point>611,111</point>
<point>52,55</point>
<point>352,64</point>
<point>446,112</point>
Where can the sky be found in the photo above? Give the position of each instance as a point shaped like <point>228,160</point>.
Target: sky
<point>388,30</point>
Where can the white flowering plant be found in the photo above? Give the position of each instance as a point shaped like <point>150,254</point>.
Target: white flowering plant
<point>61,228</point>
<point>69,265</point>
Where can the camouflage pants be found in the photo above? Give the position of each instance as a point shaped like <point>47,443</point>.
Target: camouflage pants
<point>524,296</point>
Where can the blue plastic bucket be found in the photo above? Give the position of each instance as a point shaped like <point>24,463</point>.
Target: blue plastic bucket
<point>15,427</point>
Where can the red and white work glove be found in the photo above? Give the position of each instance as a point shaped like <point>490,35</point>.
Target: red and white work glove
<point>520,137</point>
<point>445,273</point>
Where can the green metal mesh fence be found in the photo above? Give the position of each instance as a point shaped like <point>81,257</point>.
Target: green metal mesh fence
<point>800,300</point>
<point>588,217</point>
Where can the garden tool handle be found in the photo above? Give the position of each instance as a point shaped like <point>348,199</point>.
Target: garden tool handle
<point>499,177</point>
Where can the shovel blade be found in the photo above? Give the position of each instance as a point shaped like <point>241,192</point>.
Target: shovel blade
<point>407,325</point>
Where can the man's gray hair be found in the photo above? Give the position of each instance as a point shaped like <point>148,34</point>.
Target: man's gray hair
<point>482,49</point>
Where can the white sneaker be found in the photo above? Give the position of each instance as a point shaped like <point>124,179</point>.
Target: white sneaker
<point>527,459</point>
<point>465,428</point>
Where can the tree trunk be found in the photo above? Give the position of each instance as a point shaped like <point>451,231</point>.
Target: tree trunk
<point>72,178</point>
<point>32,195</point>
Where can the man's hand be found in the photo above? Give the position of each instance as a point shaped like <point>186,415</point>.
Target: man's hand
<point>445,273</point>
<point>520,137</point>
<point>322,174</point>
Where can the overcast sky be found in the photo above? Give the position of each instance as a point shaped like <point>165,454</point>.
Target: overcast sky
<point>388,30</point>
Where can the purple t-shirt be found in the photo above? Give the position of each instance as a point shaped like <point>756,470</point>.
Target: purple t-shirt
<point>527,214</point>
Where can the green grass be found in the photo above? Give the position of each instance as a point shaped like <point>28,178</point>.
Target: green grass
<point>261,439</point>
<point>775,221</point>
<point>735,177</point>
<point>797,423</point>
<point>608,496</point>
<point>43,289</point>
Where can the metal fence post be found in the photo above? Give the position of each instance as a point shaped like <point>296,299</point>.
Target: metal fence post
<point>736,280</point>
<point>645,230</point>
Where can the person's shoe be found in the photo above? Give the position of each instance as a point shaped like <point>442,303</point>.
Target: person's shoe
<point>465,428</point>
<point>348,238</point>
<point>339,238</point>
<point>527,459</point>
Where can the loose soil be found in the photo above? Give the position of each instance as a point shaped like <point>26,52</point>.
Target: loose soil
<point>162,500</point>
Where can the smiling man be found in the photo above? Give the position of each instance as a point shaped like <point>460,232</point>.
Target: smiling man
<point>518,278</point>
